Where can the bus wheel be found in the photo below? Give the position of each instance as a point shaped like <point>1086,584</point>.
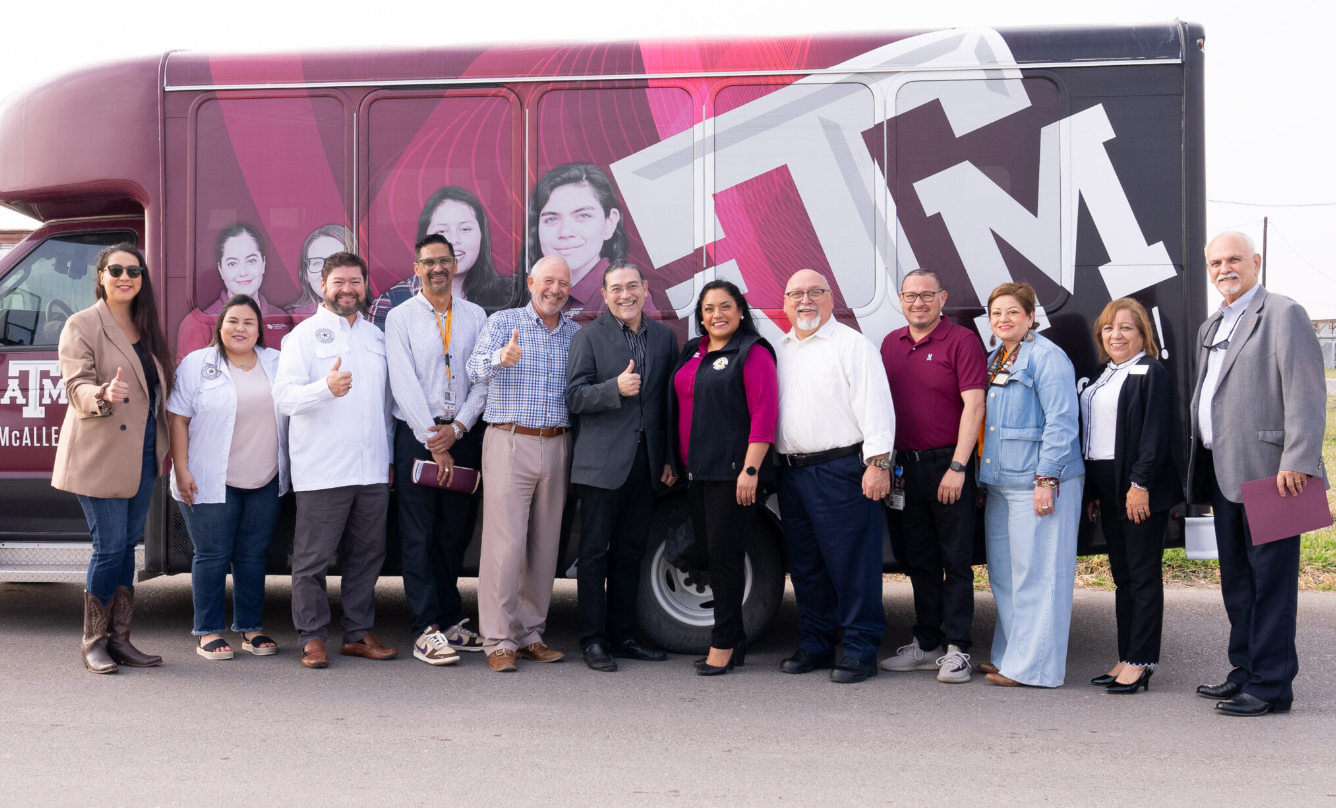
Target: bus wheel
<point>676,608</point>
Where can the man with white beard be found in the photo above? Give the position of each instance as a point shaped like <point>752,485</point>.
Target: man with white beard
<point>836,431</point>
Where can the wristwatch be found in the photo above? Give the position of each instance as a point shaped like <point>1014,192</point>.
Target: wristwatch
<point>883,463</point>
<point>751,471</point>
<point>459,430</point>
<point>957,465</point>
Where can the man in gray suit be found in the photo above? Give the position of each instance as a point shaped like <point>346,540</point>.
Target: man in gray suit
<point>617,385</point>
<point>1259,410</point>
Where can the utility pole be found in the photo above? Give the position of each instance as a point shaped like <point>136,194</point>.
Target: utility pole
<point>1264,223</point>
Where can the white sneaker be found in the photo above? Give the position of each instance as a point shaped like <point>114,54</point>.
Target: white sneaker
<point>461,639</point>
<point>912,658</point>
<point>434,649</point>
<point>954,666</point>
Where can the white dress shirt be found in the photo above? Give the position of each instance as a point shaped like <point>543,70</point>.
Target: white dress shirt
<point>1229,323</point>
<point>335,441</point>
<point>206,394</point>
<point>1099,410</point>
<point>833,393</point>
<point>416,357</point>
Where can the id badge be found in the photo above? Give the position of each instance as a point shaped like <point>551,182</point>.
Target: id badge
<point>1001,378</point>
<point>896,499</point>
<point>449,406</point>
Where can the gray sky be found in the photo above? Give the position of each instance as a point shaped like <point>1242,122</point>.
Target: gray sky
<point>1268,130</point>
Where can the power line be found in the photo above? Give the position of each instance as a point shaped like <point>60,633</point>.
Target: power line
<point>1279,205</point>
<point>1299,255</point>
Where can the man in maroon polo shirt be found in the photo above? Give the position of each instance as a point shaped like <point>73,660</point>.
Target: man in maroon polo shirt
<point>938,372</point>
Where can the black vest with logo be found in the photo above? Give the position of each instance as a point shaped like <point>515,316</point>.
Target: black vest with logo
<point>720,420</point>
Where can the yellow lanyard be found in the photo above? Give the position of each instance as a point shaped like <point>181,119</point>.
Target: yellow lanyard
<point>445,336</point>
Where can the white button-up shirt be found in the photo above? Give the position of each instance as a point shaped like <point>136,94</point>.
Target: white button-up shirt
<point>206,394</point>
<point>1229,321</point>
<point>833,393</point>
<point>335,441</point>
<point>1099,409</point>
<point>416,356</point>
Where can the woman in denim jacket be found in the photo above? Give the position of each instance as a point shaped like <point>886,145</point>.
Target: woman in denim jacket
<point>1032,472</point>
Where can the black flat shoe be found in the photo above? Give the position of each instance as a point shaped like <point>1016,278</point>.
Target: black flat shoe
<point>598,659</point>
<point>851,671</point>
<point>1226,690</point>
<point>1250,706</point>
<point>1104,681</point>
<point>630,649</point>
<point>804,661</point>
<point>1142,683</point>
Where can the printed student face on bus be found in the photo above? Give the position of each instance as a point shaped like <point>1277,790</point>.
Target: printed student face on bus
<point>459,224</point>
<point>573,226</point>
<point>344,290</point>
<point>314,260</point>
<point>241,265</point>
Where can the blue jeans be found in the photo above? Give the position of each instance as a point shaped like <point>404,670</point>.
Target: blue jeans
<point>116,526</point>
<point>236,531</point>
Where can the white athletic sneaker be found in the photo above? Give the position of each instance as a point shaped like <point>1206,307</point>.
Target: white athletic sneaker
<point>912,658</point>
<point>461,639</point>
<point>954,666</point>
<point>434,649</point>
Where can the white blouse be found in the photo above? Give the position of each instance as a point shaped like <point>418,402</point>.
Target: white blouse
<point>1099,410</point>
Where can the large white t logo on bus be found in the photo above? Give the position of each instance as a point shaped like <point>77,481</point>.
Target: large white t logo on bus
<point>40,390</point>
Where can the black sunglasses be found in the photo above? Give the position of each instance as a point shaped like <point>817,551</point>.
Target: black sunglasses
<point>115,270</point>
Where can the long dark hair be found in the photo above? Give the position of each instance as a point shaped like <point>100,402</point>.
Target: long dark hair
<point>143,311</point>
<point>616,245</point>
<point>482,284</point>
<point>307,296</point>
<point>746,326</point>
<point>236,300</point>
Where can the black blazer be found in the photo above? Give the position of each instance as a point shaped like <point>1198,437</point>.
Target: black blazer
<point>1143,438</point>
<point>606,439</point>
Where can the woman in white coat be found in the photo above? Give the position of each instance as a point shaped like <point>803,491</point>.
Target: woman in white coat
<point>229,471</point>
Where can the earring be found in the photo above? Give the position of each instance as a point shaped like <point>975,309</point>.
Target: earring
<point>992,341</point>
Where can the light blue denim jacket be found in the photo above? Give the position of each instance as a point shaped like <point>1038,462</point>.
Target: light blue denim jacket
<point>1031,422</point>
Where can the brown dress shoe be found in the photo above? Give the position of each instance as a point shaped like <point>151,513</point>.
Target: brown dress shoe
<point>368,648</point>
<point>118,638</point>
<point>1002,681</point>
<point>987,667</point>
<point>539,652</point>
<point>314,656</point>
<point>502,661</point>
<point>94,644</point>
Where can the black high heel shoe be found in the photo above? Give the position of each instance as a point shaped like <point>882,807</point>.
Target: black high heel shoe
<point>1142,683</point>
<point>739,656</point>
<point>706,669</point>
<point>1104,681</point>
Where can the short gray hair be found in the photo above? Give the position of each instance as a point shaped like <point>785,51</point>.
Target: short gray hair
<point>1238,234</point>
<point>927,273</point>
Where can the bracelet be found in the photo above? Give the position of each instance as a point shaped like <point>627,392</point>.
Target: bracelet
<point>1045,482</point>
<point>1138,486</point>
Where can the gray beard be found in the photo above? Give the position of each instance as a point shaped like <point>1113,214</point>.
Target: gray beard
<point>809,323</point>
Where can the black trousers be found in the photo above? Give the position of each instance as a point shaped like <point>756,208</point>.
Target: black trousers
<point>1260,586</point>
<point>939,549</point>
<point>724,524</point>
<point>613,531</point>
<point>435,527</point>
<point>1136,557</point>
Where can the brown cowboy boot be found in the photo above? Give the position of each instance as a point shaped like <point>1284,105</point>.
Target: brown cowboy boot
<point>94,645</point>
<point>118,641</point>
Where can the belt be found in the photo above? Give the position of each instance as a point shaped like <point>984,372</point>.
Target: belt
<point>926,454</point>
<point>544,432</point>
<point>812,458</point>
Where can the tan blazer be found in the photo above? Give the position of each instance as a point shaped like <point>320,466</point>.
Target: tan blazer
<point>101,455</point>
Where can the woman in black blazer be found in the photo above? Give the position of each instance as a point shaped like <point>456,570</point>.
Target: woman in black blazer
<point>1126,438</point>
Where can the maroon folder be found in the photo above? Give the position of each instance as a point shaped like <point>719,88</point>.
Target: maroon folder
<point>1272,517</point>
<point>464,480</point>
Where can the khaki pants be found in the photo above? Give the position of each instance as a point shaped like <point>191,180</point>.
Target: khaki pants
<point>524,491</point>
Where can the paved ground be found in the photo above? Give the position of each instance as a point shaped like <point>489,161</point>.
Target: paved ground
<point>263,731</point>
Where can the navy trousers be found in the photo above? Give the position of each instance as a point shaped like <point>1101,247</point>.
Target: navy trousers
<point>1261,591</point>
<point>833,534</point>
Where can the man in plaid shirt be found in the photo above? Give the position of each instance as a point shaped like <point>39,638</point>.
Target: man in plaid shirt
<point>396,294</point>
<point>521,354</point>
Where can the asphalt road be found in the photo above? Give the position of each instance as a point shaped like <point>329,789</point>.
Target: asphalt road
<point>264,731</point>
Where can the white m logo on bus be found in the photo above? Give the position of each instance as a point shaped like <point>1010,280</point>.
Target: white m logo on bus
<point>41,389</point>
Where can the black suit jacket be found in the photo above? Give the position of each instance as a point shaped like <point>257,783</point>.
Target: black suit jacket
<point>1144,439</point>
<point>606,439</point>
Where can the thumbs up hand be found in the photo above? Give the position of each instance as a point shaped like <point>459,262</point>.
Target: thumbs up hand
<point>117,390</point>
<point>340,382</point>
<point>628,383</point>
<point>512,352</point>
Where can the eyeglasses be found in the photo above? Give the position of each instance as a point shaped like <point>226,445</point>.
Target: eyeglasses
<point>914,297</point>
<point>314,265</point>
<point>431,263</point>
<point>812,294</point>
<point>115,270</point>
<point>632,287</point>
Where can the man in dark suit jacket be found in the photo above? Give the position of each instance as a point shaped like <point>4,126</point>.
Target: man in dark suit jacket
<point>617,386</point>
<point>1259,410</point>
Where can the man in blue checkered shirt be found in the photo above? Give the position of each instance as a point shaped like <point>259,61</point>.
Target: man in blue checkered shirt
<point>396,294</point>
<point>521,354</point>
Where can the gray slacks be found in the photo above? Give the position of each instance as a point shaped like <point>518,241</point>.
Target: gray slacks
<point>347,523</point>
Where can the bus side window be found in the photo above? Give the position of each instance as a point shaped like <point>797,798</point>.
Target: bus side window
<point>52,282</point>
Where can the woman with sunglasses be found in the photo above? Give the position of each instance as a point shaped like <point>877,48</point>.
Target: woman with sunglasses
<point>117,373</point>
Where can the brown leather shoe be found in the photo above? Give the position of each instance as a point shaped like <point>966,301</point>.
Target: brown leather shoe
<point>314,656</point>
<point>1002,681</point>
<point>539,652</point>
<point>118,637</point>
<point>368,648</point>
<point>502,661</point>
<point>987,667</point>
<point>94,644</point>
